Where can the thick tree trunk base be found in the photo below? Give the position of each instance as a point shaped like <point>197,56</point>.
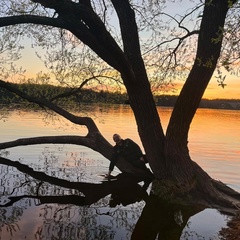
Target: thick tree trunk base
<point>198,188</point>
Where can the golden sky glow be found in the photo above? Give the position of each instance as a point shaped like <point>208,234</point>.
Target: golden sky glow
<point>213,91</point>
<point>231,91</point>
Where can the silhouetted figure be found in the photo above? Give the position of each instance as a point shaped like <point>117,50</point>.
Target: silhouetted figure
<point>130,151</point>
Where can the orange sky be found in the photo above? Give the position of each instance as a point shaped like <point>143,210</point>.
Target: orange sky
<point>213,91</point>
<point>231,91</point>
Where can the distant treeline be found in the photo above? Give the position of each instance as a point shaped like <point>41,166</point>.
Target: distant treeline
<point>169,101</point>
<point>71,96</point>
<point>64,95</point>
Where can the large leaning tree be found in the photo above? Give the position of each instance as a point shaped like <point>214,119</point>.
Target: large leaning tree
<point>131,46</point>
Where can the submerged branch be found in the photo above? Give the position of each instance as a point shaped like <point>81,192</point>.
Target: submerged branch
<point>69,199</point>
<point>126,184</point>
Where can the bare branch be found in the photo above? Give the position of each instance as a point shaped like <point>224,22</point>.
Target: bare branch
<point>21,19</point>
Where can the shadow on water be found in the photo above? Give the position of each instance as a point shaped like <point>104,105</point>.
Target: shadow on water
<point>154,219</point>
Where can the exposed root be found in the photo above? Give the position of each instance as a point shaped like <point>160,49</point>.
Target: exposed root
<point>210,193</point>
<point>225,189</point>
<point>173,191</point>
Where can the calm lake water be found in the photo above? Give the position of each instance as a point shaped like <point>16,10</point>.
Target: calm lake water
<point>214,143</point>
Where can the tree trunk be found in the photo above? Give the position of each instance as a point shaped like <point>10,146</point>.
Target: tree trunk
<point>209,47</point>
<point>208,51</point>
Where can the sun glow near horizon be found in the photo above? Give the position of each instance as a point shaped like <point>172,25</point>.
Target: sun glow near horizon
<point>215,91</point>
<point>230,91</point>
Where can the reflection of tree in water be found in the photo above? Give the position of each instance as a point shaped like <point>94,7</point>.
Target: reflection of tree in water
<point>68,209</point>
<point>71,222</point>
<point>97,222</point>
<point>68,165</point>
<point>9,219</point>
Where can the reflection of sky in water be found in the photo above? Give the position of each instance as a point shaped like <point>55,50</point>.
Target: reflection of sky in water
<point>204,225</point>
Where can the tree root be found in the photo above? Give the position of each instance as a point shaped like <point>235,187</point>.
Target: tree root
<point>208,192</point>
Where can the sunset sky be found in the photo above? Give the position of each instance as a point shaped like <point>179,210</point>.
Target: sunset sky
<point>231,91</point>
